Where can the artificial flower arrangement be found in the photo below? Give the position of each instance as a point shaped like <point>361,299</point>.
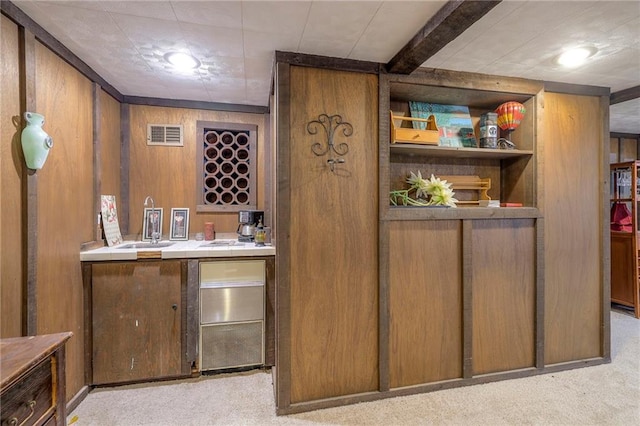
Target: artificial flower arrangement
<point>429,192</point>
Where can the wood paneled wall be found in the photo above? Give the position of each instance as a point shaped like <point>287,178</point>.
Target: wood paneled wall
<point>333,238</point>
<point>168,174</point>
<point>573,210</point>
<point>110,147</point>
<point>65,204</point>
<point>11,185</point>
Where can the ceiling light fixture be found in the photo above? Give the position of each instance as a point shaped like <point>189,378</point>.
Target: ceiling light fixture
<point>182,61</point>
<point>575,57</point>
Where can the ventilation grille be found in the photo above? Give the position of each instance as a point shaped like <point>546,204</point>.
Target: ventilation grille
<point>165,134</point>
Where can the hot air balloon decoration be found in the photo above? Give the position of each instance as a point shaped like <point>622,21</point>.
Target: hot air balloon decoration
<point>509,116</point>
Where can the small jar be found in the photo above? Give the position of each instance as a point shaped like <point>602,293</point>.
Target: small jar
<point>489,130</point>
<point>209,231</point>
<point>259,237</point>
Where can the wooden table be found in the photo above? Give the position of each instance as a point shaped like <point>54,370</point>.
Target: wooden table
<point>32,380</point>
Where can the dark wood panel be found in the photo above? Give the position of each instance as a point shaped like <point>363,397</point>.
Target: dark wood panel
<point>425,302</point>
<point>137,332</point>
<point>334,310</point>
<point>11,187</point>
<point>628,149</point>
<point>503,286</point>
<point>573,211</point>
<point>624,269</point>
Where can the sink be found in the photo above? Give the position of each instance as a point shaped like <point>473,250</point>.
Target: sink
<point>216,243</point>
<point>145,245</point>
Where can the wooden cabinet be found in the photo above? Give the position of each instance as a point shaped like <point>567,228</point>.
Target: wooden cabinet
<point>33,380</point>
<point>462,281</point>
<point>138,317</point>
<point>463,295</point>
<point>624,235</point>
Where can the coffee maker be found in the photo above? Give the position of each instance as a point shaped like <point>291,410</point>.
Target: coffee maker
<point>247,222</point>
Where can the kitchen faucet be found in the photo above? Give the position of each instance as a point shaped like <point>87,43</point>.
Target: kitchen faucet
<point>154,219</point>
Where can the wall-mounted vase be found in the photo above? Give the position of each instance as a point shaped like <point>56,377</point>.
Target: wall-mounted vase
<point>36,143</point>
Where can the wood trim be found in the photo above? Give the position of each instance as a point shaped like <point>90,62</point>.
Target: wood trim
<point>184,317</point>
<point>539,307</point>
<point>469,80</point>
<point>178,103</point>
<point>446,25</point>
<point>269,314</point>
<point>624,95</point>
<point>383,145</point>
<point>268,172</point>
<point>97,159</point>
<point>624,136</point>
<point>605,236</point>
<point>24,21</point>
<point>59,361</point>
<point>384,256</point>
<point>75,400</point>
<point>87,291</point>
<point>192,309</point>
<point>125,158</point>
<point>27,50</point>
<point>432,387</point>
<point>575,89</point>
<point>327,62</point>
<point>283,220</point>
<point>467,299</point>
<point>384,310</point>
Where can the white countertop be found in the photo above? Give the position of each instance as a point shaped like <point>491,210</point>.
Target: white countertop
<point>178,250</point>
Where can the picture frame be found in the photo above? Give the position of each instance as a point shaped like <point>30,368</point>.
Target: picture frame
<point>179,224</point>
<point>147,228</point>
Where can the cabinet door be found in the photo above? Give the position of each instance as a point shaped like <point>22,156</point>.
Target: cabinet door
<point>136,321</point>
<point>503,280</point>
<point>425,302</point>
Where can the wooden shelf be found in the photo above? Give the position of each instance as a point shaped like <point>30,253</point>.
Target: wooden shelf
<point>452,152</point>
<point>444,213</point>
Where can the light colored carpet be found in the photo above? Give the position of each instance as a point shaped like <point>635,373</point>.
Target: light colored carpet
<point>601,395</point>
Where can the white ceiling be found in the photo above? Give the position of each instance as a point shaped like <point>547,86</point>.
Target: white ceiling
<point>124,42</point>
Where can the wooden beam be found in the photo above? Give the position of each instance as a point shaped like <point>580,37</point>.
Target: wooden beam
<point>316,61</point>
<point>624,95</point>
<point>180,103</point>
<point>447,24</point>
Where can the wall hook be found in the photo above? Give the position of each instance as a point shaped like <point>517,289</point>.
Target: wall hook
<point>330,123</point>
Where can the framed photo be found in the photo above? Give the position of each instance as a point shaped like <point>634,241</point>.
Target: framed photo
<point>179,224</point>
<point>152,222</point>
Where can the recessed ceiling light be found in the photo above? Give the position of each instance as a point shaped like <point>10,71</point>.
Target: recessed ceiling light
<point>575,57</point>
<point>182,60</point>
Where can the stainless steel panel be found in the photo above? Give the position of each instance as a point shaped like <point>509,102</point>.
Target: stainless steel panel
<point>231,304</point>
<point>222,273</point>
<point>231,345</point>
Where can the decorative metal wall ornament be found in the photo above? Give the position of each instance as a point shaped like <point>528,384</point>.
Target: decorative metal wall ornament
<point>330,123</point>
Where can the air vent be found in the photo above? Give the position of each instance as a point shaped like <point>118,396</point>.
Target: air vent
<point>164,134</point>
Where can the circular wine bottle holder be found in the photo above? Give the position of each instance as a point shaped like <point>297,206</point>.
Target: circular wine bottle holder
<point>226,167</point>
